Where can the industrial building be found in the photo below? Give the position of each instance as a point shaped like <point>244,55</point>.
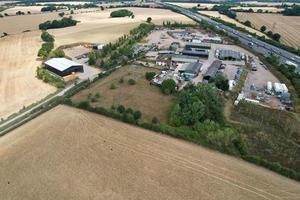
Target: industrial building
<point>62,66</point>
<point>225,54</point>
<point>212,70</point>
<point>190,70</point>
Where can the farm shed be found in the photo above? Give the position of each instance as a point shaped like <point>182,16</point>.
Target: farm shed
<point>184,59</point>
<point>62,66</point>
<point>225,54</point>
<point>197,46</point>
<point>212,70</point>
<point>196,49</point>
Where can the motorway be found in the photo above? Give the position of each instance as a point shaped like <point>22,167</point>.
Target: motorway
<point>257,45</point>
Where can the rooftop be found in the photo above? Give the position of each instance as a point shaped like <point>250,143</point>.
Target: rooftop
<point>61,64</point>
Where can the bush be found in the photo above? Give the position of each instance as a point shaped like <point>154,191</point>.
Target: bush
<point>121,13</point>
<point>121,80</point>
<point>131,82</point>
<point>112,86</point>
<point>149,75</point>
<point>168,86</point>
<point>154,120</point>
<point>84,105</point>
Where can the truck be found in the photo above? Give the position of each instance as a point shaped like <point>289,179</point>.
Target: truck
<point>291,63</point>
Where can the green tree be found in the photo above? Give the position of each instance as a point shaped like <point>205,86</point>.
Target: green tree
<point>276,37</point>
<point>221,82</point>
<point>149,19</point>
<point>270,34</point>
<point>46,37</point>
<point>168,86</point>
<point>121,109</point>
<point>137,114</point>
<point>247,23</point>
<point>131,82</point>
<point>263,28</point>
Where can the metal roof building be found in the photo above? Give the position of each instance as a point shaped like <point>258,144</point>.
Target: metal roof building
<point>226,54</point>
<point>184,59</point>
<point>212,70</point>
<point>63,66</point>
<point>191,68</point>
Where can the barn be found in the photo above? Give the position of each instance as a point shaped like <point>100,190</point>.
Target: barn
<point>62,66</point>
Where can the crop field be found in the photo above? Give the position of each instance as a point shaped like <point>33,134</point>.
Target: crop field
<point>18,85</point>
<point>287,26</point>
<point>228,19</point>
<point>141,96</point>
<point>81,155</point>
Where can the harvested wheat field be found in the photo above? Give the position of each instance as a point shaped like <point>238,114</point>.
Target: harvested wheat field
<point>190,5</point>
<point>25,9</point>
<point>228,19</point>
<point>19,24</point>
<point>99,27</point>
<point>255,9</point>
<point>287,26</point>
<point>18,85</point>
<point>73,154</point>
<point>268,3</point>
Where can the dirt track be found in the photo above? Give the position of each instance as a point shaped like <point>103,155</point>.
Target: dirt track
<point>18,85</point>
<point>72,154</point>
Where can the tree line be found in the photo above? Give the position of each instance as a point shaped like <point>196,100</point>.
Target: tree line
<point>121,13</point>
<point>64,22</point>
<point>123,50</point>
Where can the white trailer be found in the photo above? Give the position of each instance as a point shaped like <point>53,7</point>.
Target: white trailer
<point>269,87</point>
<point>284,88</point>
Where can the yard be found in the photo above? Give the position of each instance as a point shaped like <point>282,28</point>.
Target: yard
<point>141,96</point>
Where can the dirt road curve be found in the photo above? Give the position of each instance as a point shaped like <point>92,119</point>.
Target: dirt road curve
<point>72,154</point>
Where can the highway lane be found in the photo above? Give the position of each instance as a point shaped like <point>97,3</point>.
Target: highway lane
<point>258,45</point>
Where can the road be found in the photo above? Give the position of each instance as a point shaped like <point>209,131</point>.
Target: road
<point>258,45</point>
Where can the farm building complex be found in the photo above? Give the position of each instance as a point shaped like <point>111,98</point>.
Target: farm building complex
<point>62,66</point>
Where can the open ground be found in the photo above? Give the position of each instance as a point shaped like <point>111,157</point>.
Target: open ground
<point>228,19</point>
<point>81,155</point>
<point>19,87</point>
<point>141,96</point>
<point>287,26</point>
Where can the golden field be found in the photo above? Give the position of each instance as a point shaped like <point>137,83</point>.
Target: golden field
<point>73,154</point>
